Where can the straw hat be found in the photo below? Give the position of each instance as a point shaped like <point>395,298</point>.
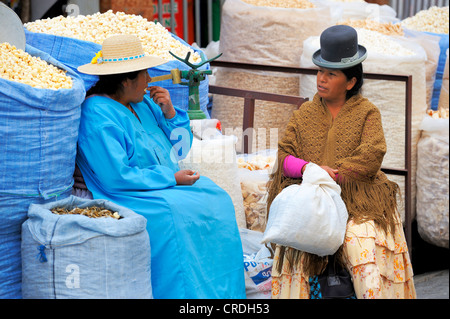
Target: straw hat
<point>339,48</point>
<point>120,54</point>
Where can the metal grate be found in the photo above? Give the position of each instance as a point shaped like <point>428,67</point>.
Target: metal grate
<point>408,8</point>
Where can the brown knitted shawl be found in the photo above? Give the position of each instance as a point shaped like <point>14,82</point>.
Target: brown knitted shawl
<point>354,144</point>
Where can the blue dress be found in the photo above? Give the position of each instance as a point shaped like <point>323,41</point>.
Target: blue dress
<point>196,250</point>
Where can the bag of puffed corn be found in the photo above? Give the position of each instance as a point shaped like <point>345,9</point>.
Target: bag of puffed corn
<point>38,138</point>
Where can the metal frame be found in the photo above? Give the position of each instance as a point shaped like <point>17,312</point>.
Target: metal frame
<point>249,106</point>
<point>249,109</point>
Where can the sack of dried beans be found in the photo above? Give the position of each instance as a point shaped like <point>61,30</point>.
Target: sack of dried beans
<point>83,249</point>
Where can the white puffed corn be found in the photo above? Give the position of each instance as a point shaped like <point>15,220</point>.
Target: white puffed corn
<point>19,66</point>
<point>156,40</point>
<point>297,4</point>
<point>385,28</point>
<point>434,20</point>
<point>376,42</point>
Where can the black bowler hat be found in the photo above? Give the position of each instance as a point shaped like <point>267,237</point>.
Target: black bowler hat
<point>339,48</point>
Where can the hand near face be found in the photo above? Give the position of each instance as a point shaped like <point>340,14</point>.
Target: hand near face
<point>161,97</point>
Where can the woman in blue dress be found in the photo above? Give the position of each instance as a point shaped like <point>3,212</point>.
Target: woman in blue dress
<point>129,146</point>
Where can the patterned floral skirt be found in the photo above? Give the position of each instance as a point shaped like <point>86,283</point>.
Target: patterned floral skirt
<point>378,262</point>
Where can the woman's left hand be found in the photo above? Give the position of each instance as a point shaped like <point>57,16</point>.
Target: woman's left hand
<point>186,177</point>
<point>161,97</point>
<point>331,171</point>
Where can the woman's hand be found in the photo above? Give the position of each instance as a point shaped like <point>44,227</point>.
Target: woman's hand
<point>186,177</point>
<point>331,171</point>
<point>161,97</point>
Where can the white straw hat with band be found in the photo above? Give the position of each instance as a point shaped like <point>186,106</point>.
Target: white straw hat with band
<point>120,54</point>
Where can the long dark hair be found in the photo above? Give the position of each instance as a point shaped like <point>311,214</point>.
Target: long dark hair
<point>111,83</point>
<point>357,72</point>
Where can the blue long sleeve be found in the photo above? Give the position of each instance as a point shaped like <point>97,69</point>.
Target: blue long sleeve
<point>117,152</point>
<point>111,167</point>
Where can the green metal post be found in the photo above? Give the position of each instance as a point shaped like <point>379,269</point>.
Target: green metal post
<point>194,78</point>
<point>194,104</point>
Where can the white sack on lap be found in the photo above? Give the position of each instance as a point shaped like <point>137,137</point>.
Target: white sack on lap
<point>310,217</point>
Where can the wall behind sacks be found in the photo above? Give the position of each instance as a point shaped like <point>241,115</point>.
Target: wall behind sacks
<point>38,135</point>
<point>140,7</point>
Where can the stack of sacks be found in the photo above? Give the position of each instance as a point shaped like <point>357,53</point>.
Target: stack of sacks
<point>269,33</point>
<point>40,111</point>
<point>386,55</point>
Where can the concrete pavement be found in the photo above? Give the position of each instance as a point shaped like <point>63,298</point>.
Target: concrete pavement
<point>432,285</point>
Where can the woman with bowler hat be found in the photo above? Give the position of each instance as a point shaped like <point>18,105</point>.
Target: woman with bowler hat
<point>341,131</point>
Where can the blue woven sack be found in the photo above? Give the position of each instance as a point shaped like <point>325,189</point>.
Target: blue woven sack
<point>443,44</point>
<point>74,52</point>
<point>38,136</point>
<point>73,256</point>
<point>71,52</point>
